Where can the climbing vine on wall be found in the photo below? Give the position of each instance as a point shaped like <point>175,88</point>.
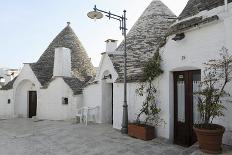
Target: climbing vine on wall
<point>151,71</point>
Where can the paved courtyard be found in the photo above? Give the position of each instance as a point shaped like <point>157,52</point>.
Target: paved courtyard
<point>30,137</point>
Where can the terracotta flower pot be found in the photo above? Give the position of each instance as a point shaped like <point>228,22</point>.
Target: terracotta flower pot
<point>141,131</point>
<point>210,140</point>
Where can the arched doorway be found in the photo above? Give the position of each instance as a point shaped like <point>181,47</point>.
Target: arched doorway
<point>25,99</point>
<point>107,97</point>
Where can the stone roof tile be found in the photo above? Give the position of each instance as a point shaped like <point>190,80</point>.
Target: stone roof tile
<point>81,65</point>
<point>75,84</point>
<point>143,40</point>
<point>193,7</point>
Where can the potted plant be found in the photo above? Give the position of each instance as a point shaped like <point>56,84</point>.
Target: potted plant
<point>145,129</point>
<point>217,75</point>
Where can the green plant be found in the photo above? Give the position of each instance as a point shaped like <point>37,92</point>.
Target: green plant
<point>152,70</point>
<point>217,75</point>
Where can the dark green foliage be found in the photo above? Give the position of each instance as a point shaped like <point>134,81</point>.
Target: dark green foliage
<point>151,71</point>
<point>217,75</point>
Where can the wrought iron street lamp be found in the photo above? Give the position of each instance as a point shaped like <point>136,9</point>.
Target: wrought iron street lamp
<point>97,14</point>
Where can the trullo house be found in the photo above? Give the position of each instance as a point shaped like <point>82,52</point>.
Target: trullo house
<point>63,79</point>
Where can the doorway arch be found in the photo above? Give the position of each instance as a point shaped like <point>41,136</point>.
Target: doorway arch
<point>107,97</point>
<point>25,98</point>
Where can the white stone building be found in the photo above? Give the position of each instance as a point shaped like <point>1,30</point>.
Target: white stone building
<point>197,36</point>
<point>200,32</point>
<point>50,88</point>
<point>64,73</point>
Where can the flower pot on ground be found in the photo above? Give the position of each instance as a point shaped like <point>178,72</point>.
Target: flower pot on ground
<point>149,110</point>
<point>210,140</point>
<point>211,102</point>
<point>141,131</point>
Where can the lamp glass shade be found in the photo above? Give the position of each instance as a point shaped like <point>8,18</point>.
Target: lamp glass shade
<point>95,15</point>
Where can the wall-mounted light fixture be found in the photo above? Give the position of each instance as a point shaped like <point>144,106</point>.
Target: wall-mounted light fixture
<point>64,100</point>
<point>179,36</point>
<point>107,77</point>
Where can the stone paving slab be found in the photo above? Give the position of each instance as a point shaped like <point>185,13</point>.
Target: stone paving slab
<point>33,137</point>
<point>226,150</point>
<point>194,150</point>
<point>28,137</point>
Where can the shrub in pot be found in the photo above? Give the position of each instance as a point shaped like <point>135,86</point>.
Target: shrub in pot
<point>145,129</point>
<point>211,102</point>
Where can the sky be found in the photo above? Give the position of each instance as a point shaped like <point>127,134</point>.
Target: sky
<point>27,27</point>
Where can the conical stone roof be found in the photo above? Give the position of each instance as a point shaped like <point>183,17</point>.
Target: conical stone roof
<point>82,68</point>
<point>193,7</point>
<point>143,40</point>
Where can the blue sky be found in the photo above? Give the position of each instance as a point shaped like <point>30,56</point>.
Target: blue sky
<point>28,26</point>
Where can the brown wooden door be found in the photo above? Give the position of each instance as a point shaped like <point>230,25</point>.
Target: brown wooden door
<point>32,103</point>
<point>185,106</point>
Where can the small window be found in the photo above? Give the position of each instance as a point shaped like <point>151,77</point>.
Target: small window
<point>64,100</point>
<point>8,101</point>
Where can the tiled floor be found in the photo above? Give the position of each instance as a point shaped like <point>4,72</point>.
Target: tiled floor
<point>33,137</point>
<point>26,137</point>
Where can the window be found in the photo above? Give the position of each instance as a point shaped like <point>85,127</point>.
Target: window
<point>64,100</point>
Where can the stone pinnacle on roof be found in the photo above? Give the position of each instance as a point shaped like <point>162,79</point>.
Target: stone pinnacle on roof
<point>143,39</point>
<point>81,65</point>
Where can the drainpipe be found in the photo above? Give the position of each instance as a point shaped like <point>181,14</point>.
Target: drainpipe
<point>226,5</point>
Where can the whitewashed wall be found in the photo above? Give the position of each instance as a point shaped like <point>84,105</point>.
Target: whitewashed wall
<point>21,98</point>
<point>198,46</point>
<point>92,98</point>
<point>6,109</point>
<point>49,100</point>
<point>62,62</point>
<point>133,100</point>
<point>26,81</point>
<point>49,104</point>
<point>100,94</point>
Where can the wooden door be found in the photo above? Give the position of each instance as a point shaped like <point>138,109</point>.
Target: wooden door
<point>32,103</point>
<point>185,106</point>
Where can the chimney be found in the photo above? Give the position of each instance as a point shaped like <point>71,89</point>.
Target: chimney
<point>111,45</point>
<point>62,62</point>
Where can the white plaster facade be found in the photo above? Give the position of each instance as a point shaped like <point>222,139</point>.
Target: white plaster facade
<point>6,109</point>
<point>100,94</point>
<point>62,62</point>
<point>49,100</point>
<point>199,45</point>
<point>111,45</point>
